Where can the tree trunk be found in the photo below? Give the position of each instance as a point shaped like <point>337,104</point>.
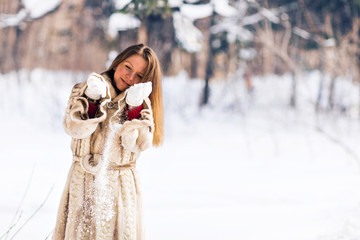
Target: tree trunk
<point>210,63</point>
<point>60,40</point>
<point>321,83</point>
<point>9,37</point>
<point>193,66</point>
<point>161,38</point>
<point>331,94</point>
<point>127,38</point>
<point>293,91</point>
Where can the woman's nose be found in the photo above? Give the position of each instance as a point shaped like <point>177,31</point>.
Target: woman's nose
<point>132,76</point>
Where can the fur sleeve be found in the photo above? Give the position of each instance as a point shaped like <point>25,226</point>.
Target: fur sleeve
<point>137,134</point>
<point>76,120</point>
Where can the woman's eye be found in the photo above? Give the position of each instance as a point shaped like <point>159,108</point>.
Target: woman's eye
<point>127,67</point>
<point>140,76</point>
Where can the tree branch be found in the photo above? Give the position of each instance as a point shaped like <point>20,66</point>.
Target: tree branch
<point>34,213</point>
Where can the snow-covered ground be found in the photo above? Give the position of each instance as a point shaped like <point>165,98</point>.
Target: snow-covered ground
<point>245,167</point>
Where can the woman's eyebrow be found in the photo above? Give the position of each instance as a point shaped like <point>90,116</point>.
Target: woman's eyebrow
<point>133,66</point>
<point>129,63</point>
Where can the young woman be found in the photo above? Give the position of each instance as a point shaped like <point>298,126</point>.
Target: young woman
<point>111,118</point>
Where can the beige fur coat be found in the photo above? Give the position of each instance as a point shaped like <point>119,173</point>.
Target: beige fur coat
<point>102,198</point>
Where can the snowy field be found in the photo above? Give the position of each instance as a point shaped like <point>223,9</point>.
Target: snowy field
<point>247,167</point>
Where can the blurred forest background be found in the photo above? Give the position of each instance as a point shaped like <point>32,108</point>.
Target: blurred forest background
<point>209,39</point>
<point>261,109</point>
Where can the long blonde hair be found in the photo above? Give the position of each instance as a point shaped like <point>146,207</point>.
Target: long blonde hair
<point>152,74</point>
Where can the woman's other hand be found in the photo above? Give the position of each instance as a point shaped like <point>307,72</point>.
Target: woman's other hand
<point>137,93</point>
<point>96,86</point>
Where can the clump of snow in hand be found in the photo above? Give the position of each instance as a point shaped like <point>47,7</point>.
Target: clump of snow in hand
<point>122,22</point>
<point>187,35</point>
<point>39,8</point>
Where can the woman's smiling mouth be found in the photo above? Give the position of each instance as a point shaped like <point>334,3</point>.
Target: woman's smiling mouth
<point>125,82</point>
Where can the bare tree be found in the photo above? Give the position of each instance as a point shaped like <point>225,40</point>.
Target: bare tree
<point>278,44</point>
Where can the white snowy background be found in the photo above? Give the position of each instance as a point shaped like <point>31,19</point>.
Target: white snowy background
<point>245,167</point>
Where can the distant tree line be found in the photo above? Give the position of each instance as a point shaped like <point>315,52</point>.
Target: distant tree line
<point>259,36</point>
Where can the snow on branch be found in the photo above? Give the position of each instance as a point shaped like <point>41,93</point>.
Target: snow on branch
<point>38,8</point>
<point>187,35</point>
<point>120,4</point>
<point>194,12</point>
<point>200,11</point>
<point>235,25</point>
<point>223,8</point>
<point>270,14</point>
<point>122,22</point>
<point>175,3</point>
<point>192,1</point>
<point>301,33</point>
<point>33,9</point>
<point>330,42</point>
<point>234,30</point>
<point>11,20</point>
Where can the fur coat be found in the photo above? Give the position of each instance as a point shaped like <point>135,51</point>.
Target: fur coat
<point>102,198</point>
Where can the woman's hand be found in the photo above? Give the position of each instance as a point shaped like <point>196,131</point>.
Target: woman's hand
<point>136,135</point>
<point>96,86</point>
<point>137,93</point>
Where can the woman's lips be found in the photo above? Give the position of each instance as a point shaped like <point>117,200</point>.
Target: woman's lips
<point>125,82</point>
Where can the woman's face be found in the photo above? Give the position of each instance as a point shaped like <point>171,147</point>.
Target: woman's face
<point>130,72</point>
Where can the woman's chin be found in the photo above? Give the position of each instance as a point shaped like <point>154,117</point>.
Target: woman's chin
<point>121,87</point>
